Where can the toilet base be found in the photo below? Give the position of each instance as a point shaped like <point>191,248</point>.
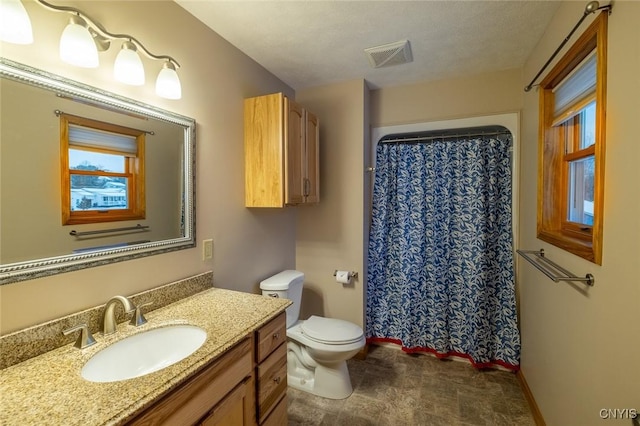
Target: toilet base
<point>328,381</point>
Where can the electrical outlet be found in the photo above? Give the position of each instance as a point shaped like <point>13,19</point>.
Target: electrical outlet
<point>207,249</point>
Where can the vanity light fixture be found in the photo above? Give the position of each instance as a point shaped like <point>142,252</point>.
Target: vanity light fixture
<point>15,25</point>
<point>84,37</point>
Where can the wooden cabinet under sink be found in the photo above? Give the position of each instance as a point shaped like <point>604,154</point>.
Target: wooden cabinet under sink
<point>244,386</point>
<point>221,393</point>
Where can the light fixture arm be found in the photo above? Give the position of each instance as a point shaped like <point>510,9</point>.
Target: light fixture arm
<point>102,32</point>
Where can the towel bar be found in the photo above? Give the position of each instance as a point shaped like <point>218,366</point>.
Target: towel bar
<point>551,269</point>
<point>138,227</point>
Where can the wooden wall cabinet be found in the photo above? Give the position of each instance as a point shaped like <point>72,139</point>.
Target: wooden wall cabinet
<point>281,148</point>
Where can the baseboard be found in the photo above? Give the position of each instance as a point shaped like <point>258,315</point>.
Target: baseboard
<point>535,411</point>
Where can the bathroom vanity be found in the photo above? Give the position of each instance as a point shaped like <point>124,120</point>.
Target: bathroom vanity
<point>237,377</point>
<point>224,392</point>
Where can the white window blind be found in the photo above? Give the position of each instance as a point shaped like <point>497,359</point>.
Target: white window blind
<point>91,138</point>
<point>580,83</point>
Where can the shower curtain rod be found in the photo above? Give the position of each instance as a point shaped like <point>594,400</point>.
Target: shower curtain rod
<point>443,136</point>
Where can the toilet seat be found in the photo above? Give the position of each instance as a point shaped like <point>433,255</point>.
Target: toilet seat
<point>331,331</point>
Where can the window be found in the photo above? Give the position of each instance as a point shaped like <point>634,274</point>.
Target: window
<point>102,171</point>
<point>572,147</point>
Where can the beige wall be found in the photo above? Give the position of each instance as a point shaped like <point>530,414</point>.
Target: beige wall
<point>580,348</point>
<point>463,97</point>
<point>216,77</point>
<point>330,234</point>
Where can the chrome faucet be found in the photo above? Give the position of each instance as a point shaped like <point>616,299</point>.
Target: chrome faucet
<point>109,316</point>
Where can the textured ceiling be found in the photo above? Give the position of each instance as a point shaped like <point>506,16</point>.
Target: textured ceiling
<point>313,43</point>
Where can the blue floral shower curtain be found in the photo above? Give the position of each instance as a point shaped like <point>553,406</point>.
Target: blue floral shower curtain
<point>440,261</point>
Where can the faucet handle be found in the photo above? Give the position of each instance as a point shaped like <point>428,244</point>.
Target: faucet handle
<point>138,318</point>
<point>85,339</point>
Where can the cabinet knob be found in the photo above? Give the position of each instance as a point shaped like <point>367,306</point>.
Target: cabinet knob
<point>276,336</point>
<point>277,380</point>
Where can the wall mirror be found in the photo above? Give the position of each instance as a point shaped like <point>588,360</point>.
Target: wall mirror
<point>34,242</point>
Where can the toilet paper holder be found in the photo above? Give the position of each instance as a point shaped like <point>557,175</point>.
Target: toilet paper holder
<point>352,274</point>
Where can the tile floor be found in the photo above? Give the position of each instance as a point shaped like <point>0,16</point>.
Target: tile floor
<point>394,388</point>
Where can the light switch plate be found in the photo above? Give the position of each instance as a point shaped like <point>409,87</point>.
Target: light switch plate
<point>207,249</point>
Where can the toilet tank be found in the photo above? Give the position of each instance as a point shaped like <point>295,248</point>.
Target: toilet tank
<point>287,285</point>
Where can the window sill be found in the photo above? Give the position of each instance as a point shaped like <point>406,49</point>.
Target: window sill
<point>581,248</point>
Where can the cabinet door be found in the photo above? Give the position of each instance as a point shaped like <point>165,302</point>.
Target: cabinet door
<point>278,416</point>
<point>294,152</point>
<point>236,409</point>
<point>312,155</point>
<point>264,131</point>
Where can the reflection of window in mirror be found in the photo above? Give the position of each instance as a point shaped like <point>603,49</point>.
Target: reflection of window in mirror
<point>102,171</point>
<point>572,147</point>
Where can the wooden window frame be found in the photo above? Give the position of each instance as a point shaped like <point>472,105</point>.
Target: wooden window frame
<point>574,125</point>
<point>134,171</point>
<point>553,162</point>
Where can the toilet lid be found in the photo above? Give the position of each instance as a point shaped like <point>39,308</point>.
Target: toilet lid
<point>330,330</point>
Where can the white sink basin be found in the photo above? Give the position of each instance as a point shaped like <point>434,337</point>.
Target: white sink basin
<point>144,353</point>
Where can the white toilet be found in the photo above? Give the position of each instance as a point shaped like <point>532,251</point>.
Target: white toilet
<point>317,348</point>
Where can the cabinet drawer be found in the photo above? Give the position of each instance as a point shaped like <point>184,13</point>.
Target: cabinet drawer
<point>272,381</point>
<point>270,336</point>
<point>198,395</point>
<point>278,416</point>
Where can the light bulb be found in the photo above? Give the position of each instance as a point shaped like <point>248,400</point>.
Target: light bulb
<point>128,67</point>
<point>77,46</point>
<point>168,84</point>
<point>15,25</point>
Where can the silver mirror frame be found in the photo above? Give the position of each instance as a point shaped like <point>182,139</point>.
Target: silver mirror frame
<point>28,270</point>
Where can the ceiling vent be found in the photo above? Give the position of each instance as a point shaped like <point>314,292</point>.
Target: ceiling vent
<point>389,54</point>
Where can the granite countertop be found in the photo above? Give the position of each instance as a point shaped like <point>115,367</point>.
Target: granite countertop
<point>48,389</point>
